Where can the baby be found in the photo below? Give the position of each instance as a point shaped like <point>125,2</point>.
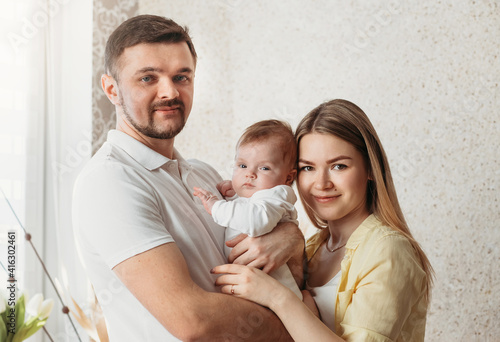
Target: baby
<point>261,184</point>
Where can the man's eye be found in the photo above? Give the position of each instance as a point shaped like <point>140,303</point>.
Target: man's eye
<point>180,78</point>
<point>146,79</point>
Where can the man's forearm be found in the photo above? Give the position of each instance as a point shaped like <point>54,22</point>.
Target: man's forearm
<point>258,324</point>
<point>297,264</point>
<point>235,319</point>
<point>186,310</point>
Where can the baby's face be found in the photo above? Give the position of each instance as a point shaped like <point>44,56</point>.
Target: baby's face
<point>259,166</point>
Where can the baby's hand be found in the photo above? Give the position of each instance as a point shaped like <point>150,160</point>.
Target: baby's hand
<point>207,198</point>
<point>226,188</point>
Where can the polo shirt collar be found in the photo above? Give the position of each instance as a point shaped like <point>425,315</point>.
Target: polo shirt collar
<point>142,154</point>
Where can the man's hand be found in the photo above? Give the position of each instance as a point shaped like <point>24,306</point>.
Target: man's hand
<point>270,251</point>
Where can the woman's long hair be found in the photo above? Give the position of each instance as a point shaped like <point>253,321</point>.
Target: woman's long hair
<point>347,121</point>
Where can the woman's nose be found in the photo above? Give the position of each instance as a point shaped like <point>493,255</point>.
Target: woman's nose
<point>323,181</point>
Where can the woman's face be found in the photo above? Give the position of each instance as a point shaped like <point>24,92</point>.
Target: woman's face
<point>332,177</point>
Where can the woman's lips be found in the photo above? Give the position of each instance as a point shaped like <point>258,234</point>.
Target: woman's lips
<point>325,199</point>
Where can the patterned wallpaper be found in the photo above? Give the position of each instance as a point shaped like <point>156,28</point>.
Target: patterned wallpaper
<point>108,14</point>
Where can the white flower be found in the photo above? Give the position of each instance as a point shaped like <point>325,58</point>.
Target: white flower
<point>46,308</point>
<point>34,305</point>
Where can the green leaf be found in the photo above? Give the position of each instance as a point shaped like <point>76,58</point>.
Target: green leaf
<point>33,328</point>
<point>4,314</point>
<point>3,331</point>
<point>20,309</point>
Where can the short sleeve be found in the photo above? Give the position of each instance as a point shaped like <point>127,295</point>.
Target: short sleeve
<point>116,213</point>
<point>389,289</point>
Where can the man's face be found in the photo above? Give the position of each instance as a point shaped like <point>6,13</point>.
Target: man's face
<point>155,88</point>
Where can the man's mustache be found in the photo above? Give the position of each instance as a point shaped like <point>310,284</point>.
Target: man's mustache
<point>167,103</point>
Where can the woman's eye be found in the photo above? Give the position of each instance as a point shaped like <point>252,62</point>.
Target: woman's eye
<point>339,167</point>
<point>305,168</point>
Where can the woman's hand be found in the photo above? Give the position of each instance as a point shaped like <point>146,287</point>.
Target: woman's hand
<point>299,318</point>
<point>250,283</point>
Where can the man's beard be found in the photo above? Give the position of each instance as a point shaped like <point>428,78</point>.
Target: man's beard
<point>151,129</point>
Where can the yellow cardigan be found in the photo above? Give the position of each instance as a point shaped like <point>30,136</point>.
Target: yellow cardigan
<point>381,294</point>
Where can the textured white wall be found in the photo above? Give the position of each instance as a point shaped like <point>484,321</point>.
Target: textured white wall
<point>427,76</point>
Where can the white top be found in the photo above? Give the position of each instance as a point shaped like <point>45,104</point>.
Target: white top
<point>257,215</point>
<point>324,297</point>
<point>129,199</point>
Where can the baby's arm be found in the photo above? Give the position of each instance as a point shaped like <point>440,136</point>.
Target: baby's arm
<point>207,198</point>
<point>259,214</point>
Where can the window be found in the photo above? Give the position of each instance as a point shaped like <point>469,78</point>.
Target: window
<point>45,121</point>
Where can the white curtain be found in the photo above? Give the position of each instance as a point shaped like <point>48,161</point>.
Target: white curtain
<point>45,139</point>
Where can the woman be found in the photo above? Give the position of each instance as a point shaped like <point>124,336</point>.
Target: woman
<point>370,279</point>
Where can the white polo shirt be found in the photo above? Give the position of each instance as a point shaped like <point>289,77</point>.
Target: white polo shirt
<point>129,199</point>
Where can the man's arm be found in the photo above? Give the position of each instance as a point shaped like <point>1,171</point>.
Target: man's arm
<point>160,280</point>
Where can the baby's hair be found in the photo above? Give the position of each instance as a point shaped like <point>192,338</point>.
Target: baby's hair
<point>275,129</point>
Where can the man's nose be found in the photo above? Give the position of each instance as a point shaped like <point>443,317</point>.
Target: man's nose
<point>167,89</point>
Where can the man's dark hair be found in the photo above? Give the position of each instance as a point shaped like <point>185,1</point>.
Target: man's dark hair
<point>143,29</point>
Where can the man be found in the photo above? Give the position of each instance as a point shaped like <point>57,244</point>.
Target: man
<point>147,244</point>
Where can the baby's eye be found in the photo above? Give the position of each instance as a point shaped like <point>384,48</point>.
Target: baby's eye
<point>265,168</point>
<point>242,166</point>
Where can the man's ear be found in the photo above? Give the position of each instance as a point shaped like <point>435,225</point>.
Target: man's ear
<point>110,88</point>
<point>291,177</point>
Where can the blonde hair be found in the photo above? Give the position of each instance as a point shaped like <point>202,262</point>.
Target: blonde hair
<point>272,129</point>
<point>347,121</point>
